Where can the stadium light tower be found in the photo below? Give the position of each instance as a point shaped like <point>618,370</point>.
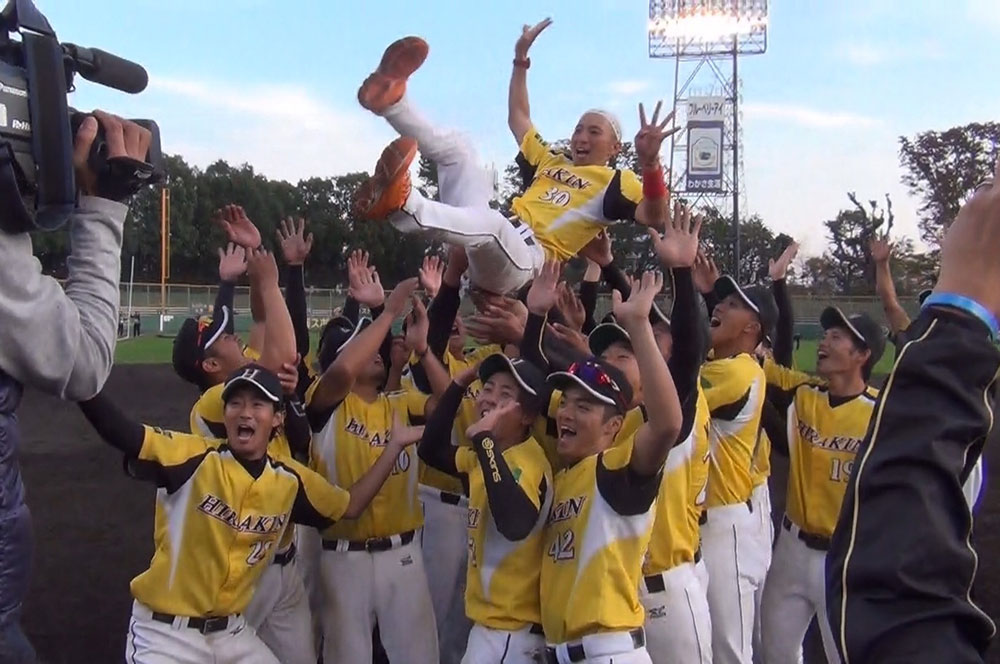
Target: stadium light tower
<point>702,36</point>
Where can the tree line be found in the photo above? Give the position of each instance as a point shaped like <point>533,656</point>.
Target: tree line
<point>941,168</point>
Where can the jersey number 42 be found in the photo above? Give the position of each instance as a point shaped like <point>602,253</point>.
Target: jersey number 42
<point>562,546</point>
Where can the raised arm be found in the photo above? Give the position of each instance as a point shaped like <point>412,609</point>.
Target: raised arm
<point>295,248</point>
<point>588,295</point>
<point>784,343</point>
<point>235,223</point>
<point>898,319</point>
<point>364,490</point>
<point>112,425</point>
<point>416,341</point>
<point>279,335</point>
<point>518,109</point>
<point>61,340</point>
<point>652,209</point>
<point>339,377</point>
<point>444,306</point>
<point>435,448</point>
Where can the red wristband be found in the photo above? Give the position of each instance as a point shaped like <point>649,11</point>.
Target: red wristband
<point>523,64</point>
<point>653,186</point>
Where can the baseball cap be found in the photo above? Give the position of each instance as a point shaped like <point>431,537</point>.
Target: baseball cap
<point>195,337</point>
<point>601,380</point>
<point>528,376</point>
<point>656,315</point>
<point>605,334</point>
<point>861,326</point>
<point>264,380</point>
<point>758,298</point>
<point>337,333</point>
<point>923,295</point>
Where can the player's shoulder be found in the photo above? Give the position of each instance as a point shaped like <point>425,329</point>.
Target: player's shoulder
<point>870,394</point>
<point>743,364</point>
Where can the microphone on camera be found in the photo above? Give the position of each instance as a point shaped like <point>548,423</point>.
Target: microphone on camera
<point>107,69</point>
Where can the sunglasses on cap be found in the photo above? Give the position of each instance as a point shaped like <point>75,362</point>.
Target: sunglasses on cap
<point>593,374</point>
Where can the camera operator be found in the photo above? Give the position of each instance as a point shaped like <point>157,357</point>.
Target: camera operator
<point>57,340</point>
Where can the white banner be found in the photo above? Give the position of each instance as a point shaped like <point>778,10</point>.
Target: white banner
<point>706,117</point>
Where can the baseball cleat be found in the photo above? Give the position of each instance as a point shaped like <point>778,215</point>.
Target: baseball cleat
<point>387,189</point>
<point>386,85</point>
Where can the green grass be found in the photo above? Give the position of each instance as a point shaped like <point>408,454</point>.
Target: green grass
<point>156,350</point>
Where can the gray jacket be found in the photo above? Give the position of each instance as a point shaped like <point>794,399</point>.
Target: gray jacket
<point>57,340</point>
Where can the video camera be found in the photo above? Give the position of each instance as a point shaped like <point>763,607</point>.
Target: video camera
<point>37,126</point>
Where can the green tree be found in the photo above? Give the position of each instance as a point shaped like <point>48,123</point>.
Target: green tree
<point>758,243</point>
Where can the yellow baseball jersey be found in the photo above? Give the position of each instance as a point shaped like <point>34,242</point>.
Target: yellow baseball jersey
<point>734,388</point>
<point>546,431</point>
<point>465,417</point>
<point>567,205</point>
<point>345,449</point>
<point>501,590</point>
<point>824,434</point>
<point>593,554</point>
<point>676,532</point>
<point>222,523</point>
<point>760,467</point>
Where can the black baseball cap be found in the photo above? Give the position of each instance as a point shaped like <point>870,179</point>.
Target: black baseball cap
<point>605,334</point>
<point>756,297</point>
<point>861,326</point>
<point>337,333</point>
<point>601,380</point>
<point>263,380</point>
<point>195,337</point>
<point>528,376</point>
<point>657,315</point>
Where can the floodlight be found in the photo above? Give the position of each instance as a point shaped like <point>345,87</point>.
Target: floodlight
<point>679,28</point>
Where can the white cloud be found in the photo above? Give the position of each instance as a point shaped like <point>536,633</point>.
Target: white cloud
<point>283,131</point>
<point>628,87</point>
<point>984,11</point>
<point>806,117</point>
<point>865,54</point>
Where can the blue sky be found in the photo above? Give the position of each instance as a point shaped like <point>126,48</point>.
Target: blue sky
<point>274,84</point>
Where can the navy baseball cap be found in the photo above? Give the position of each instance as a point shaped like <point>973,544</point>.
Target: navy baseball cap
<point>194,338</point>
<point>337,333</point>
<point>602,381</point>
<point>530,378</point>
<point>861,326</point>
<point>756,297</point>
<point>605,334</point>
<point>263,380</point>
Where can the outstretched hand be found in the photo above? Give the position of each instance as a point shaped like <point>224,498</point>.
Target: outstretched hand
<point>528,35</point>
<point>490,419</point>
<point>233,220</point>
<point>651,135</point>
<point>635,310</point>
<point>295,244</point>
<point>544,292</point>
<point>777,269</point>
<point>402,434</point>
<point>232,262</point>
<point>678,246</point>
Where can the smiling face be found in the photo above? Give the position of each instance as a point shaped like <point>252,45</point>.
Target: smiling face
<point>593,142</point>
<point>375,372</point>
<point>732,318</point>
<point>456,342</point>
<point>840,353</point>
<point>499,390</point>
<point>621,357</point>
<point>250,418</point>
<point>586,426</point>
<point>223,357</point>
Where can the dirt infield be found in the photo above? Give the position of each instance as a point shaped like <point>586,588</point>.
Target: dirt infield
<point>93,526</point>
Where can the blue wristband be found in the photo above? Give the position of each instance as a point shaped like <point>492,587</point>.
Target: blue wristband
<point>966,304</point>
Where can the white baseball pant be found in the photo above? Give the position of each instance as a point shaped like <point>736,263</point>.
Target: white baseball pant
<point>279,612</point>
<point>608,648</point>
<point>309,546</point>
<point>152,642</point>
<point>444,541</point>
<point>794,593</point>
<point>729,543</point>
<point>761,501</point>
<point>678,623</point>
<point>489,646</point>
<point>502,257</point>
<point>387,586</point>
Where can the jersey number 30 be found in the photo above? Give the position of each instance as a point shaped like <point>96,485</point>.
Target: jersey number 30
<point>562,546</point>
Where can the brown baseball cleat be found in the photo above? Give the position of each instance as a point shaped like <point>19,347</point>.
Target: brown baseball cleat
<point>386,85</point>
<point>387,189</point>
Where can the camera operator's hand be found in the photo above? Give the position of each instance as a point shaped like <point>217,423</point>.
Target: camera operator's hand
<point>127,142</point>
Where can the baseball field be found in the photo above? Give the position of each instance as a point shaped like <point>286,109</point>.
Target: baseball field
<point>93,525</point>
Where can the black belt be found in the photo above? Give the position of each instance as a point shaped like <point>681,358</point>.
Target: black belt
<point>372,544</point>
<point>654,582</point>
<point>703,519</point>
<point>285,557</point>
<point>576,652</point>
<point>203,625</point>
<point>450,498</point>
<point>814,542</point>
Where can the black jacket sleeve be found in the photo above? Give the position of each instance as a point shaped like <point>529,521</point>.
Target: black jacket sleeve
<point>616,279</point>
<point>112,425</point>
<point>531,342</point>
<point>441,317</point>
<point>588,297</point>
<point>297,429</point>
<point>435,448</point>
<point>710,302</point>
<point>352,309</point>
<point>784,343</point>
<point>224,301</point>
<point>689,346</point>
<point>513,511</point>
<point>774,423</point>
<point>295,300</point>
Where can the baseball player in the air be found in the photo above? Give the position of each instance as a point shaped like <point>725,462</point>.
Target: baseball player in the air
<point>601,518</point>
<point>569,200</point>
<point>372,569</point>
<point>509,485</point>
<point>227,503</point>
<point>734,386</point>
